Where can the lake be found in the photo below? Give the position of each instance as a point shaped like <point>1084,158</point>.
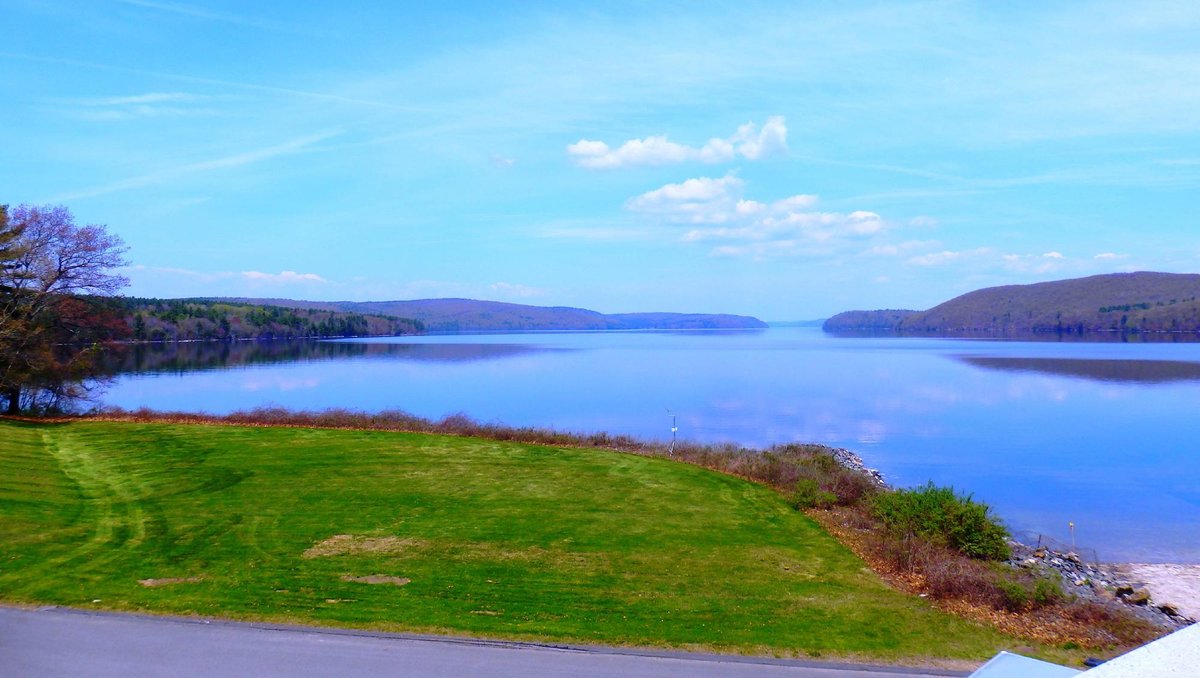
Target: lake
<point>1103,435</point>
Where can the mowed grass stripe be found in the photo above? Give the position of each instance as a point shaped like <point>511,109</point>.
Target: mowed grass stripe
<point>461,534</point>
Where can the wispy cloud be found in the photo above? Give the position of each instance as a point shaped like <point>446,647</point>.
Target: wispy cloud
<point>949,256</point>
<point>138,99</point>
<point>990,258</point>
<point>229,161</point>
<point>218,82</point>
<point>1034,263</point>
<point>282,278</point>
<point>747,142</point>
<point>206,14</point>
<point>593,230</point>
<point>150,104</point>
<point>252,277</point>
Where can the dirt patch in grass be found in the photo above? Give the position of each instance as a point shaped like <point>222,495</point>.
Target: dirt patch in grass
<point>168,581</point>
<point>376,579</point>
<point>350,544</point>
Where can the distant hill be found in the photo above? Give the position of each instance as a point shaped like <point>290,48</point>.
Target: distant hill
<point>883,320</point>
<point>1117,302</point>
<point>455,315</point>
<point>211,320</point>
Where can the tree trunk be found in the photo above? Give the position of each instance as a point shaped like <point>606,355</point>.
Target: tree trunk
<point>14,400</point>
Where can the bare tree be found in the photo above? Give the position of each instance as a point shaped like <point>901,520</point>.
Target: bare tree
<point>48,331</point>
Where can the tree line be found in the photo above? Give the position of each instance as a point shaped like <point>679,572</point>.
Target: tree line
<point>216,320</point>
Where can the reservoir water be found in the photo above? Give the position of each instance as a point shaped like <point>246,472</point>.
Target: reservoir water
<point>1102,435</point>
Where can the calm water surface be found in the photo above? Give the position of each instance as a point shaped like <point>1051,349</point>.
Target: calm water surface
<point>1102,435</point>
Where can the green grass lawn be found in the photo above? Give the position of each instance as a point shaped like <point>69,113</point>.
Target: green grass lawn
<point>494,538</point>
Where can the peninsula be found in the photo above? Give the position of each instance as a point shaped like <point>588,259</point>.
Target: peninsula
<point>1144,302</point>
<point>460,315</point>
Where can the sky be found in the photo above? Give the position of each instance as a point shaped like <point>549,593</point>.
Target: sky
<point>782,160</point>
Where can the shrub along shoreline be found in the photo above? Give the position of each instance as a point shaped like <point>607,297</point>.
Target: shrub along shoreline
<point>928,541</point>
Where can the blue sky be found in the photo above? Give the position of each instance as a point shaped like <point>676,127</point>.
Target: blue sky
<point>785,160</point>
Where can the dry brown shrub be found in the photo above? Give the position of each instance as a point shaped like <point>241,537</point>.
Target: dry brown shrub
<point>1119,623</point>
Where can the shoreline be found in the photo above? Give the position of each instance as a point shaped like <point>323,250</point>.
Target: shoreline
<point>1166,594</point>
<point>1172,585</point>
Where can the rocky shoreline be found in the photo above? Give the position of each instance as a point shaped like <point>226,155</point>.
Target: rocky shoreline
<point>1108,583</point>
<point>1098,581</point>
<point>854,462</point>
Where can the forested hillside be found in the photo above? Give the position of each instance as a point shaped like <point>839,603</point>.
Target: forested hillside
<point>885,320</point>
<point>199,319</point>
<point>456,315</point>
<point>1118,302</point>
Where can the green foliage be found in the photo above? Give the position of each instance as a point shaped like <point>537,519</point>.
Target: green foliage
<point>1143,306</point>
<point>208,319</point>
<point>808,494</point>
<point>1016,597</point>
<point>1023,593</point>
<point>1047,589</point>
<point>945,518</point>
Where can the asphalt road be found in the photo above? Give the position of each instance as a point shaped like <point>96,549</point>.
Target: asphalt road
<point>49,642</point>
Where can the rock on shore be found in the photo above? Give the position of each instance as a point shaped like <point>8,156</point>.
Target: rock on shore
<point>1170,586</point>
<point>1098,581</point>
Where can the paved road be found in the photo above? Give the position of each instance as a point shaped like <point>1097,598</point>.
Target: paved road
<point>49,642</point>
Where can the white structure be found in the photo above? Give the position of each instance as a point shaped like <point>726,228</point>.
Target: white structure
<point>1173,656</point>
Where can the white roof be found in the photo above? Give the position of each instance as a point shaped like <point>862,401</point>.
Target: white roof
<point>1175,655</point>
<point>1008,665</point>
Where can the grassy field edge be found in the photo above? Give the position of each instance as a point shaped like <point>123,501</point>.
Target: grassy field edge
<point>106,538</point>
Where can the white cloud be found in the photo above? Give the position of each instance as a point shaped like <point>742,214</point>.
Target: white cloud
<point>283,277</point>
<point>740,226</point>
<point>748,142</point>
<point>703,200</point>
<point>1034,263</point>
<point>1110,256</point>
<point>753,143</point>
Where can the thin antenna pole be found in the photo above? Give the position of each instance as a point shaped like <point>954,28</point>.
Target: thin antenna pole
<point>674,430</point>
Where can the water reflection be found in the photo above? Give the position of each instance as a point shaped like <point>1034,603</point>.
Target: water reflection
<point>180,358</point>
<point>1125,371</point>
